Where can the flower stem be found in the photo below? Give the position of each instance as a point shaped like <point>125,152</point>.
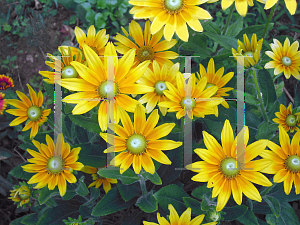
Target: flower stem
<point>258,92</point>
<point>143,184</point>
<point>228,19</point>
<point>269,20</point>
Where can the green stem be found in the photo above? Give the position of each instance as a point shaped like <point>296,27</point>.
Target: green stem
<point>228,19</point>
<point>269,20</point>
<point>263,110</point>
<point>143,184</point>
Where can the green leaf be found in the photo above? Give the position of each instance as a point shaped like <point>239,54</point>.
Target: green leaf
<point>90,124</point>
<point>256,29</point>
<point>99,21</point>
<point>110,203</point>
<point>225,41</point>
<point>92,1</point>
<point>79,1</point>
<point>200,191</point>
<point>171,194</point>
<point>49,89</point>
<point>266,130</point>
<point>211,27</point>
<point>92,155</point>
<point>95,193</point>
<point>20,173</point>
<point>46,194</point>
<point>147,203</point>
<point>287,216</point>
<point>17,221</point>
<point>273,203</point>
<point>82,189</point>
<point>101,4</point>
<point>128,177</point>
<point>282,197</point>
<point>250,99</point>
<point>128,191</point>
<point>248,218</point>
<point>279,89</point>
<point>134,218</point>
<point>297,97</point>
<point>90,16</point>
<point>235,28</point>
<point>194,205</point>
<point>155,179</point>
<point>206,203</point>
<point>31,219</point>
<point>234,212</point>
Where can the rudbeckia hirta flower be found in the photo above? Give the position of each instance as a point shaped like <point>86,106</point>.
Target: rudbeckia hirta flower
<point>98,180</point>
<point>286,58</point>
<point>240,5</point>
<point>287,119</point>
<point>224,170</point>
<point>251,50</point>
<point>63,69</point>
<point>147,47</point>
<point>27,109</point>
<point>291,5</point>
<point>20,194</point>
<point>95,41</point>
<point>191,98</point>
<point>5,82</point>
<point>157,79</point>
<point>138,142</point>
<point>2,103</point>
<point>96,86</point>
<point>216,79</point>
<point>173,15</point>
<point>53,164</point>
<point>184,219</point>
<point>286,161</point>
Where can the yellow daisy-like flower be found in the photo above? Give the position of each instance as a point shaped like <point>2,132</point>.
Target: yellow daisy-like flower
<point>191,98</point>
<point>240,5</point>
<point>147,47</point>
<point>216,79</point>
<point>5,82</point>
<point>223,170</point>
<point>157,79</point>
<point>287,119</point>
<point>286,58</point>
<point>184,219</point>
<point>53,164</point>
<point>97,84</point>
<point>173,15</point>
<point>29,109</point>
<point>21,194</point>
<point>251,50</point>
<point>69,54</point>
<point>98,180</point>
<point>138,142</point>
<point>2,103</point>
<point>291,5</point>
<point>95,41</point>
<point>286,161</point>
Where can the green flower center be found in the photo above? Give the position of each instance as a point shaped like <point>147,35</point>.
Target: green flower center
<point>136,144</point>
<point>174,5</point>
<point>69,72</point>
<point>291,120</point>
<point>145,53</point>
<point>249,54</point>
<point>34,113</point>
<point>286,61</point>
<point>292,163</point>
<point>160,87</point>
<point>108,89</point>
<point>55,164</point>
<point>230,167</point>
<point>188,103</point>
<point>24,192</point>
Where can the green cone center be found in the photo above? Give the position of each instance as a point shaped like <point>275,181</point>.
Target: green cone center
<point>293,163</point>
<point>108,89</point>
<point>136,144</point>
<point>188,103</point>
<point>230,167</point>
<point>69,72</point>
<point>24,192</point>
<point>291,120</point>
<point>160,87</point>
<point>34,113</point>
<point>286,61</point>
<point>173,5</point>
<point>249,54</point>
<point>55,164</point>
<point>145,53</point>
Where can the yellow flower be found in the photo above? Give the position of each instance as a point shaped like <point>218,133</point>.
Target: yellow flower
<point>291,5</point>
<point>251,50</point>
<point>147,47</point>
<point>21,194</point>
<point>5,82</point>
<point>29,109</point>
<point>173,15</point>
<point>157,79</point>
<point>287,119</point>
<point>184,219</point>
<point>216,79</point>
<point>98,180</point>
<point>224,170</point>
<point>95,41</point>
<point>2,103</point>
<point>190,98</point>
<point>286,161</point>
<point>96,85</point>
<point>240,5</point>
<point>286,58</point>
<point>138,142</point>
<point>50,166</point>
<point>69,54</point>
